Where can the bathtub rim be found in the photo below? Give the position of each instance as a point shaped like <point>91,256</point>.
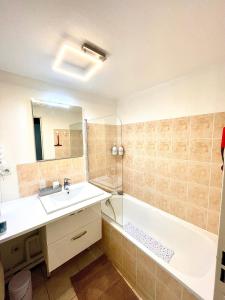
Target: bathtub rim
<point>177,275</point>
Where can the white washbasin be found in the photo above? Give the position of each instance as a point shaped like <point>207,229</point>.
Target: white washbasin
<point>77,193</point>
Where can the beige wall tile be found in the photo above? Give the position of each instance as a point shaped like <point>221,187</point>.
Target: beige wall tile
<point>149,165</point>
<point>215,198</point>
<point>150,147</point>
<point>164,129</point>
<point>128,187</point>
<point>139,128</point>
<point>197,216</point>
<point>213,221</point>
<point>150,129</point>
<point>179,170</point>
<point>216,151</point>
<point>219,123</point>
<point>178,208</point>
<point>147,261</point>
<point>181,128</point>
<point>162,184</point>
<point>139,178</point>
<point>106,233</point>
<point>180,148</point>
<point>129,268</point>
<point>138,191</point>
<point>202,126</point>
<point>129,247</point>
<point>198,194</point>
<point>200,150</point>
<point>28,189</point>
<point>164,293</point>
<point>178,190</point>
<point>164,148</point>
<point>28,172</point>
<point>138,162</point>
<point>162,167</point>
<point>162,202</point>
<point>128,161</point>
<point>149,196</point>
<point>216,176</point>
<point>169,282</point>
<point>145,284</point>
<point>116,248</point>
<point>150,180</point>
<point>199,173</point>
<point>48,171</point>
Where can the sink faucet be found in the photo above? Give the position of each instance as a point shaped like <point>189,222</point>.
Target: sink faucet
<point>67,184</point>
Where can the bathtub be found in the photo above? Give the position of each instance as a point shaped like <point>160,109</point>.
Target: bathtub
<point>194,260</point>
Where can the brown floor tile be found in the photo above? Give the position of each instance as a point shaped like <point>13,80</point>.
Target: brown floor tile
<point>40,293</point>
<point>120,290</point>
<point>100,280</point>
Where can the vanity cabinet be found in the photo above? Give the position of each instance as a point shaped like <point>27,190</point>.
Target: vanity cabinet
<point>65,238</point>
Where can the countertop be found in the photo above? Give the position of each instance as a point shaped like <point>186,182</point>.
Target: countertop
<point>26,214</point>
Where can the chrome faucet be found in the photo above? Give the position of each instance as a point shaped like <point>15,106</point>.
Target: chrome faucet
<point>67,184</point>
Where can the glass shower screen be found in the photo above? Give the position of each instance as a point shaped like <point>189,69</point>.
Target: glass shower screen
<point>104,137</point>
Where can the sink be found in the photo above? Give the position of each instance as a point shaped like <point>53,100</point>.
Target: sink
<point>77,193</point>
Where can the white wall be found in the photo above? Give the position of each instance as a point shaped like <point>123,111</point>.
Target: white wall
<point>200,92</point>
<point>16,130</point>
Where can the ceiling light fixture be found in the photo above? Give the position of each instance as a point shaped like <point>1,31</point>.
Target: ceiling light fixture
<point>54,104</point>
<point>93,56</point>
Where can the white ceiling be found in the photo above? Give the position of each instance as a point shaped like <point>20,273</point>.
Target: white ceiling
<point>148,41</point>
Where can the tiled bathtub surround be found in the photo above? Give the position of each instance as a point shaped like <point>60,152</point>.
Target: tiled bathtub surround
<point>175,165</point>
<point>30,176</point>
<point>149,280</point>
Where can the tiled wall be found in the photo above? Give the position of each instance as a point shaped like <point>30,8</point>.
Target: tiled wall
<point>101,138</point>
<point>64,140</point>
<point>175,165</point>
<point>31,175</point>
<point>71,143</point>
<point>76,142</point>
<point>149,280</point>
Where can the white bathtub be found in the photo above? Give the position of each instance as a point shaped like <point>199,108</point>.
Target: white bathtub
<point>194,261</point>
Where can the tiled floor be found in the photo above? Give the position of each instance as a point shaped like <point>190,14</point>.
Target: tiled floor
<point>101,281</point>
<point>58,286</point>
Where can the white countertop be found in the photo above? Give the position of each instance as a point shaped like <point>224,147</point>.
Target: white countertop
<point>27,214</point>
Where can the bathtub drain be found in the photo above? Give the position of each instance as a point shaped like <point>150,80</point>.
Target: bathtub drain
<point>152,244</point>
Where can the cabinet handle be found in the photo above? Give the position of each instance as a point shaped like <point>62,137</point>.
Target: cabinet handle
<point>77,212</point>
<point>79,235</point>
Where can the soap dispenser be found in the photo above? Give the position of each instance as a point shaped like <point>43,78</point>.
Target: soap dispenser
<point>121,150</point>
<point>114,150</point>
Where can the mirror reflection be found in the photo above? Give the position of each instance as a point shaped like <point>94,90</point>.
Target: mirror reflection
<point>57,131</point>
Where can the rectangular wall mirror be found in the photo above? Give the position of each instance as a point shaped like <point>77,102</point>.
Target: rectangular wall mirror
<point>57,131</point>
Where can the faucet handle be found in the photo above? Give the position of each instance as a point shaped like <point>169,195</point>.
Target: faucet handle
<point>66,180</point>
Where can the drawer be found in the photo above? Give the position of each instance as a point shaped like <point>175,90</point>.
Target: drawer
<point>58,229</point>
<point>74,243</point>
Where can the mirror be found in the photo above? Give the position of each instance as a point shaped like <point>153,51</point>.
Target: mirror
<point>57,131</point>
